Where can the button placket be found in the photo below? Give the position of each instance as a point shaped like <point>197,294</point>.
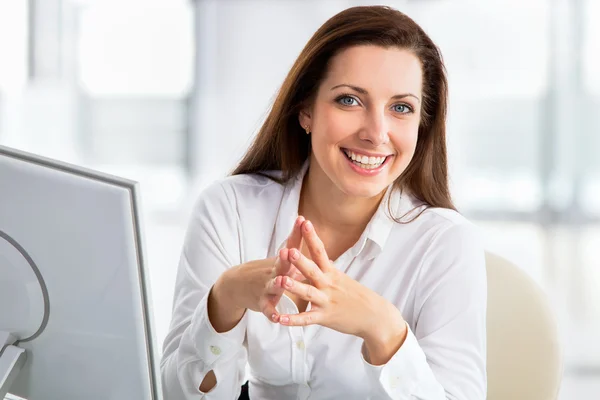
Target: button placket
<point>298,345</point>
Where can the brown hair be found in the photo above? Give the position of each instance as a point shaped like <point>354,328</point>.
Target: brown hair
<point>281,143</point>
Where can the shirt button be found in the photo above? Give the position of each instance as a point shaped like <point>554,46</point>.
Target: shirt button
<point>300,345</point>
<point>215,350</point>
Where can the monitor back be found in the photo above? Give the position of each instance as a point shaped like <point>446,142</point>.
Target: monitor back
<point>90,336</point>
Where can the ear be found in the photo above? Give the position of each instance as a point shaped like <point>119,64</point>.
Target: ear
<point>304,117</point>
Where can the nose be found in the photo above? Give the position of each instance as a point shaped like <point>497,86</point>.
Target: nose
<point>375,129</point>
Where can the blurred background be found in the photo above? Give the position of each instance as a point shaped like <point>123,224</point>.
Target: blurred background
<point>171,92</point>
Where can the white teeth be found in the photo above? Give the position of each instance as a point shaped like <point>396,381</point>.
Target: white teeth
<point>365,161</point>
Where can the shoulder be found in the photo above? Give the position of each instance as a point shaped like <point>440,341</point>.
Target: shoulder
<point>450,232</point>
<point>455,246</point>
<point>434,223</point>
<point>450,222</point>
<point>442,236</point>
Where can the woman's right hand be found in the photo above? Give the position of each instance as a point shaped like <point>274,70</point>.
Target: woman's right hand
<point>255,285</point>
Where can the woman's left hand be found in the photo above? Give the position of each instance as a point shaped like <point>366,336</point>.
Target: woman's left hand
<point>338,301</point>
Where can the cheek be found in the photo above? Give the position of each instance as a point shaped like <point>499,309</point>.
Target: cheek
<point>411,141</point>
<point>406,141</point>
<point>336,124</point>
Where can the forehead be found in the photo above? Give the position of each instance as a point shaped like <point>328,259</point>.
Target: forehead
<point>379,70</point>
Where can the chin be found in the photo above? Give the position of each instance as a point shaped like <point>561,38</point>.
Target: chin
<point>363,190</point>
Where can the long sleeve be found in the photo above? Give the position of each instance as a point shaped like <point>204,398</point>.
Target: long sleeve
<point>444,354</point>
<point>192,347</point>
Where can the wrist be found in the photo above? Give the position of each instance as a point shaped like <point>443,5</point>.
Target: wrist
<point>223,311</point>
<point>224,290</point>
<point>386,337</point>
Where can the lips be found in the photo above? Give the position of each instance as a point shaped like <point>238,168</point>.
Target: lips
<point>365,165</point>
<point>364,160</point>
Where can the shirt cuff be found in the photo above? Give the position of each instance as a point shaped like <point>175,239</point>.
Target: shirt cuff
<point>211,345</point>
<point>403,373</point>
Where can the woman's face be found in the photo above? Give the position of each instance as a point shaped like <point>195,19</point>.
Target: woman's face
<point>364,120</point>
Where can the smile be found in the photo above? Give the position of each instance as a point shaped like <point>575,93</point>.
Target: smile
<point>366,165</point>
<point>363,161</point>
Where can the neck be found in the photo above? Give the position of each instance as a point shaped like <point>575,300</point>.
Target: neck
<point>331,209</point>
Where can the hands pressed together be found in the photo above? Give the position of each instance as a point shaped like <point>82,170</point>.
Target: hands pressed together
<point>337,301</point>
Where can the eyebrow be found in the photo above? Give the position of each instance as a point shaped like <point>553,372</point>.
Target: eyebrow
<point>364,91</point>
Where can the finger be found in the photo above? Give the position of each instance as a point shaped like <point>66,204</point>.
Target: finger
<point>282,265</point>
<point>275,286</point>
<point>307,268</point>
<point>304,291</point>
<point>302,319</point>
<point>274,291</point>
<point>269,311</point>
<point>295,238</point>
<point>296,275</point>
<point>315,246</point>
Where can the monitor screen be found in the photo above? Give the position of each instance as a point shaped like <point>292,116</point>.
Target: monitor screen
<point>73,289</point>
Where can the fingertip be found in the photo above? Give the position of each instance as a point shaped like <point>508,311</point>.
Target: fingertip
<point>278,281</point>
<point>294,254</point>
<point>308,226</point>
<point>283,254</point>
<point>271,313</point>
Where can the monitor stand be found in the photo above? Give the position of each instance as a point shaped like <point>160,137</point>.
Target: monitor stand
<point>12,359</point>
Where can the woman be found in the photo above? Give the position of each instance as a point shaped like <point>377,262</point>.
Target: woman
<point>333,262</point>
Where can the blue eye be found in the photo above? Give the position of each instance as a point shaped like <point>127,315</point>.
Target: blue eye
<point>347,100</point>
<point>402,108</point>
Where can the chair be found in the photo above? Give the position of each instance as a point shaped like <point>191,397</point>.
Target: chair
<point>524,358</point>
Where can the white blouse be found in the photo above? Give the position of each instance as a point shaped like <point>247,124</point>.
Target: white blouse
<point>432,269</point>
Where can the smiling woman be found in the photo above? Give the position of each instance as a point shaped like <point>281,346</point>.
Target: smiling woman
<point>371,118</point>
<point>301,264</point>
<point>380,65</point>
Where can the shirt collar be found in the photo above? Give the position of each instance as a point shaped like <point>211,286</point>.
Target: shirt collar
<point>375,234</point>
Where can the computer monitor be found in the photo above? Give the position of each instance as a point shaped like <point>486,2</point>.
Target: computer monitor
<point>75,319</point>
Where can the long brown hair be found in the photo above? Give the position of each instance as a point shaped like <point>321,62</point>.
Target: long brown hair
<point>281,143</point>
